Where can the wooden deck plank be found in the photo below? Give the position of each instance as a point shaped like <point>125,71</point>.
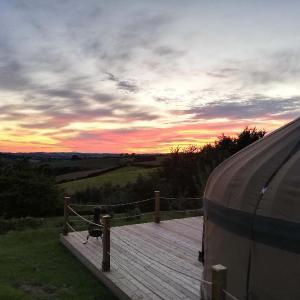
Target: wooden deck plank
<point>167,238</point>
<point>156,252</point>
<point>148,261</point>
<point>163,244</point>
<point>158,270</point>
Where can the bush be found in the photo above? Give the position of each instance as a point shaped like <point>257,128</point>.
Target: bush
<point>27,190</point>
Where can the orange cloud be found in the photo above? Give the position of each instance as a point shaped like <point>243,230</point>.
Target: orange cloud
<point>138,140</point>
<point>158,139</point>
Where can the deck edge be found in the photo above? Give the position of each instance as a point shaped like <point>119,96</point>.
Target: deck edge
<point>97,273</point>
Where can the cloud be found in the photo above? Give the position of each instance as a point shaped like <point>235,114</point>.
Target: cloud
<point>72,65</point>
<point>103,97</point>
<point>264,68</point>
<point>127,86</point>
<point>223,72</point>
<point>13,76</point>
<point>279,66</point>
<point>168,51</point>
<point>123,84</point>
<point>154,139</point>
<point>61,93</point>
<point>255,107</point>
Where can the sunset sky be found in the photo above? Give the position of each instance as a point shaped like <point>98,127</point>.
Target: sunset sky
<point>143,76</point>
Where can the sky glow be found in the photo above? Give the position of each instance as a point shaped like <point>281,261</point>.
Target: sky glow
<point>144,76</point>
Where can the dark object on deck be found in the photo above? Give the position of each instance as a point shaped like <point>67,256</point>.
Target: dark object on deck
<point>94,230</point>
<point>201,256</point>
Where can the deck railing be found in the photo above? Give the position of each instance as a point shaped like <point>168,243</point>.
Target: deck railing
<point>219,272</point>
<point>70,209</point>
<point>219,284</point>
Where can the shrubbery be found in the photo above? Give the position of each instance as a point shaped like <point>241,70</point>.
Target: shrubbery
<point>186,171</point>
<point>27,190</point>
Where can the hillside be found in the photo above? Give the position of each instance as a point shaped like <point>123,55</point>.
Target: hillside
<point>120,176</point>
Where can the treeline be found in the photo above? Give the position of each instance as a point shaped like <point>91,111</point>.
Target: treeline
<point>186,172</point>
<point>183,174</point>
<point>30,190</point>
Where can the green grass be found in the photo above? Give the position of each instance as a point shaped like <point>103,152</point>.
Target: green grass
<point>34,265</point>
<point>120,176</point>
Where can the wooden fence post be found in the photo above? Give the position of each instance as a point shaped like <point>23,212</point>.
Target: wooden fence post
<point>106,243</point>
<point>219,282</point>
<point>66,215</point>
<point>157,206</point>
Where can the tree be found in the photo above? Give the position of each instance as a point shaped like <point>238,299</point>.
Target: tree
<point>26,190</point>
<point>186,171</point>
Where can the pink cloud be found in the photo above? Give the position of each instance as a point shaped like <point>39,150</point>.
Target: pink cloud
<point>157,139</point>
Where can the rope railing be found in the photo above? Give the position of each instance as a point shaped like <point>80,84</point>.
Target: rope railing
<point>205,281</point>
<point>111,205</point>
<point>188,210</point>
<point>70,211</point>
<point>132,216</point>
<point>229,295</point>
<point>105,228</point>
<point>83,218</point>
<point>181,198</point>
<point>219,273</point>
<point>71,227</point>
<point>157,203</point>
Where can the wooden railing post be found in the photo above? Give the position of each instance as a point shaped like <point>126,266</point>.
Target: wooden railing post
<point>106,243</point>
<point>66,215</point>
<point>219,282</point>
<point>157,206</point>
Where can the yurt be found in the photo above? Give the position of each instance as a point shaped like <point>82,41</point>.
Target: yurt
<point>252,218</point>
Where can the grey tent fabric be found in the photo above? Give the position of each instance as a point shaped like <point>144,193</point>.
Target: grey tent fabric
<point>252,218</point>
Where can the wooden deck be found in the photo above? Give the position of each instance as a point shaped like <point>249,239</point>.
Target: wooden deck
<point>148,261</point>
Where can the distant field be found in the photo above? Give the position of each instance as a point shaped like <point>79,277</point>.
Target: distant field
<point>121,176</point>
<point>68,166</point>
<point>86,163</point>
<point>81,174</point>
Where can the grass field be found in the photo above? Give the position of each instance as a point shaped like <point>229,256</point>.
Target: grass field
<point>34,265</point>
<point>120,176</point>
<point>81,174</point>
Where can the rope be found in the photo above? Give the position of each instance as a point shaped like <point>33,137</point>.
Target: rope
<point>189,198</point>
<point>75,231</point>
<point>72,228</point>
<point>229,295</point>
<point>128,217</point>
<point>83,218</point>
<point>75,220</point>
<point>111,205</point>
<point>205,282</point>
<point>182,211</point>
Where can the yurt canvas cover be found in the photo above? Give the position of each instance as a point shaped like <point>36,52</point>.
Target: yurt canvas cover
<point>252,218</point>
